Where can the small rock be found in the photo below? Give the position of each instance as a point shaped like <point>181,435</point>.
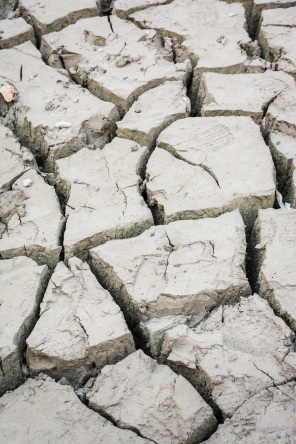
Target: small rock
<point>7,92</point>
<point>27,182</point>
<point>72,70</point>
<point>64,381</point>
<point>63,124</point>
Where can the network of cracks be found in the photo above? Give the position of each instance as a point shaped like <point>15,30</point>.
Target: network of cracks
<point>147,221</point>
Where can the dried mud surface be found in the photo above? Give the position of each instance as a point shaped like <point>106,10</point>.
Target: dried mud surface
<point>147,221</point>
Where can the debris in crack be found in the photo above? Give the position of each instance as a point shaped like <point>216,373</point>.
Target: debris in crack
<point>168,409</point>
<point>153,112</point>
<point>80,328</point>
<point>274,237</point>
<point>8,9</point>
<point>176,273</point>
<point>91,120</point>
<point>22,284</point>
<point>53,410</point>
<point>230,361</point>
<point>242,94</point>
<point>267,417</point>
<point>104,202</point>
<point>206,166</point>
<point>115,66</point>
<point>15,32</point>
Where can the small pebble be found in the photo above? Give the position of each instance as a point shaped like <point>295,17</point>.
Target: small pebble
<point>27,182</point>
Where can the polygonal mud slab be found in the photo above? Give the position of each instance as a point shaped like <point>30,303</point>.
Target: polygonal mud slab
<point>236,352</point>
<point>168,409</point>
<point>22,284</point>
<point>281,113</point>
<point>283,150</point>
<point>104,201</point>
<point>279,17</point>
<point>203,167</point>
<point>153,112</point>
<point>176,271</point>
<point>210,32</point>
<point>42,410</point>
<point>267,417</point>
<point>32,222</point>
<point>56,120</point>
<point>116,65</point>
<point>14,32</point>
<point>80,328</point>
<point>274,238</point>
<point>277,38</point>
<point>53,15</point>
<point>261,5</point>
<point>241,94</point>
<point>124,8</point>
<point>15,160</point>
<point>198,26</point>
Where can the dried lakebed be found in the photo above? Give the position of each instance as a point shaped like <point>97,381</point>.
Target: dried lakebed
<point>147,221</point>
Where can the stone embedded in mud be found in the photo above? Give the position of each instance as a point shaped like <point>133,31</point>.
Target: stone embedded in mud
<point>92,120</point>
<point>33,220</point>
<point>22,283</point>
<point>275,235</point>
<point>153,112</point>
<point>236,352</point>
<point>102,189</point>
<point>153,400</point>
<point>242,94</point>
<point>14,32</point>
<point>80,328</point>
<point>124,8</point>
<point>116,65</point>
<point>15,160</point>
<point>42,409</point>
<point>174,272</point>
<point>267,417</point>
<point>53,15</point>
<point>206,166</point>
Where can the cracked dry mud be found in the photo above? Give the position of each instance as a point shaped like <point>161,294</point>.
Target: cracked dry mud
<point>80,328</point>
<point>116,66</point>
<point>147,221</point>
<point>102,189</point>
<point>175,273</point>
<point>204,166</point>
